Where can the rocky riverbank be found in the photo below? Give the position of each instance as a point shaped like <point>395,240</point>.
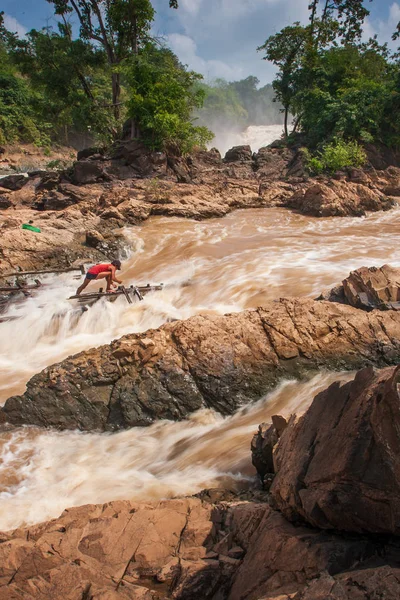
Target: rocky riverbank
<point>82,210</point>
<point>219,546</point>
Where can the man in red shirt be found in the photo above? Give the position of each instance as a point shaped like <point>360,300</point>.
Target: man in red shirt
<point>103,271</point>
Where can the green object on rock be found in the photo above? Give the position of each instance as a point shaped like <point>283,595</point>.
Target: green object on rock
<point>30,227</point>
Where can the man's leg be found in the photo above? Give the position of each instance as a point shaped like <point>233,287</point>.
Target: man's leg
<point>82,287</point>
<point>108,277</point>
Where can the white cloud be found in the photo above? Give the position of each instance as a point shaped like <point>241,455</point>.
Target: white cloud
<point>186,50</point>
<point>14,26</point>
<point>384,29</point>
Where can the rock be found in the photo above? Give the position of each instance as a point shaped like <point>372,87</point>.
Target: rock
<point>239,153</point>
<point>94,238</point>
<point>143,161</point>
<point>5,202</point>
<point>263,443</point>
<point>338,199</point>
<point>358,488</point>
<point>86,171</point>
<point>74,192</point>
<point>14,182</point>
<point>90,152</point>
<point>54,201</point>
<point>157,550</point>
<point>272,163</point>
<point>392,190</point>
<point>48,181</point>
<point>219,362</point>
<point>369,288</point>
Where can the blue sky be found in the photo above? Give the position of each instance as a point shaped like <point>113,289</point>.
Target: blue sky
<point>218,38</point>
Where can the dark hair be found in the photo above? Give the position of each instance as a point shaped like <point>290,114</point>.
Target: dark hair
<point>116,263</point>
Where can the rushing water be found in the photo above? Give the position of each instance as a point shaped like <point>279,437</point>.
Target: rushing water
<point>217,266</point>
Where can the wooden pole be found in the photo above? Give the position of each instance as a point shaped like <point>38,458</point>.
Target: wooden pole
<point>46,271</point>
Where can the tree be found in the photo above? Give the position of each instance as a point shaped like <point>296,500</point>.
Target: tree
<point>119,26</point>
<point>295,50</point>
<point>286,50</point>
<point>162,96</point>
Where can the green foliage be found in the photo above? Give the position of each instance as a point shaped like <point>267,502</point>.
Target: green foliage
<point>18,121</point>
<point>349,91</point>
<point>336,156</point>
<point>161,98</point>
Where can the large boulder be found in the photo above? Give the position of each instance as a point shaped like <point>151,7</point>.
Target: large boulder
<point>337,199</point>
<point>339,466</point>
<point>219,362</point>
<point>141,160</point>
<point>369,288</point>
<point>239,154</point>
<point>88,171</point>
<point>272,163</point>
<point>14,182</point>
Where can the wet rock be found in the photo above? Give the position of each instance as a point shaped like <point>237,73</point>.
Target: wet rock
<point>76,193</point>
<point>14,182</point>
<point>215,362</point>
<point>263,443</point>
<point>358,488</point>
<point>239,154</point>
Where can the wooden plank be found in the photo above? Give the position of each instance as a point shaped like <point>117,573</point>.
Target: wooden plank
<point>46,271</point>
<point>20,288</point>
<point>122,290</point>
<point>126,294</point>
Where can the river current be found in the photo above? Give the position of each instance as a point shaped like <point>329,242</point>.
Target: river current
<point>211,267</point>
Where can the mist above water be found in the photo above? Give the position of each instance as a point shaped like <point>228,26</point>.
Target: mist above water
<point>256,136</point>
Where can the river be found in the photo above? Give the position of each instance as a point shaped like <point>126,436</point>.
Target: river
<point>212,267</point>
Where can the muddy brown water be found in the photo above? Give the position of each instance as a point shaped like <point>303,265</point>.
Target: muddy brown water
<point>211,267</point>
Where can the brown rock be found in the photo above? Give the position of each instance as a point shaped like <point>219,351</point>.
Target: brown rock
<point>358,487</point>
<point>5,202</point>
<point>239,153</point>
<point>369,288</point>
<point>221,362</point>
<point>13,182</point>
<point>94,238</point>
<point>86,171</point>
<point>154,551</point>
<point>263,443</point>
<point>338,199</point>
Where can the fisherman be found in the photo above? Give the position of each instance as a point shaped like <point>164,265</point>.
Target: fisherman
<point>103,271</point>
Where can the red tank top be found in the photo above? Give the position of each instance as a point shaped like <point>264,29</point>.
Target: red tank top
<point>96,269</point>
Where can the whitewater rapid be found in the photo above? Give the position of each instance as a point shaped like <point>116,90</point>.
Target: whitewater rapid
<point>213,267</point>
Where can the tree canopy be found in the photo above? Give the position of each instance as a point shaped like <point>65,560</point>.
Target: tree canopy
<point>332,84</point>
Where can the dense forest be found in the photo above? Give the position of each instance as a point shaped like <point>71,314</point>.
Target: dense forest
<point>333,88</point>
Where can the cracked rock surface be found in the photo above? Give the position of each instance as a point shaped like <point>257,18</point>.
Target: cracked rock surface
<point>186,549</point>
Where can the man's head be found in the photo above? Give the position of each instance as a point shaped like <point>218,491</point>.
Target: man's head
<point>116,264</point>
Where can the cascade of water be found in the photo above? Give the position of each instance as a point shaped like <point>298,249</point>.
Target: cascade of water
<point>222,265</point>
